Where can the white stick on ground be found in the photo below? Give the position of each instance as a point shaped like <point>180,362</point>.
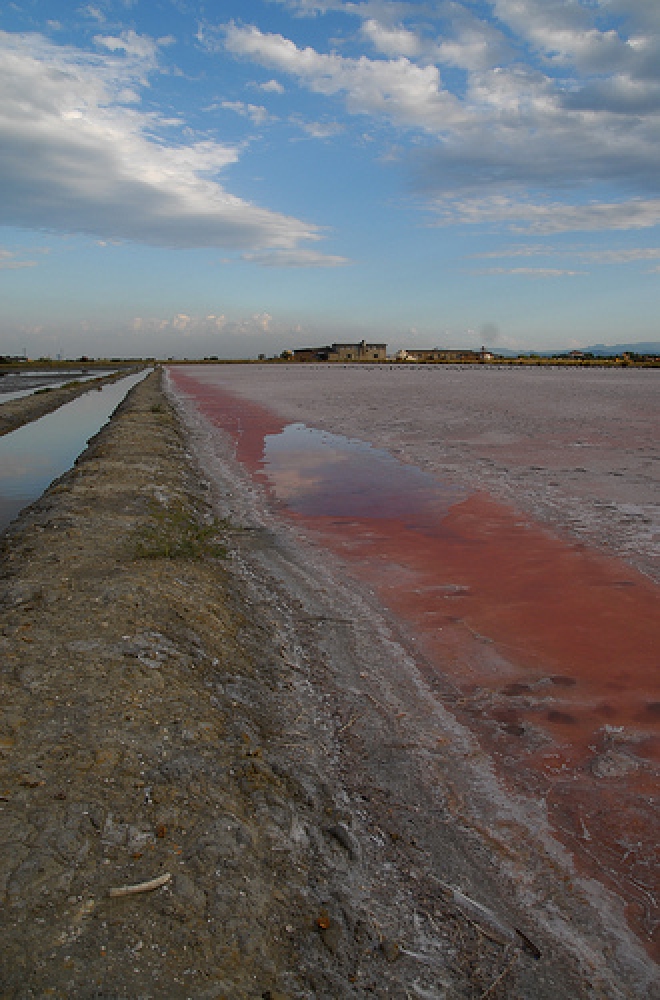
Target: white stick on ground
<point>132,890</point>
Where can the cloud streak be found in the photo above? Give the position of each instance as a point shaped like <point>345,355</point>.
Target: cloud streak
<point>548,217</point>
<point>9,263</point>
<point>530,272</point>
<point>295,258</point>
<point>630,255</point>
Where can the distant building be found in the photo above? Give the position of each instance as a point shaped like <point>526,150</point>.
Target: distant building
<point>311,354</point>
<point>358,352</point>
<point>443,354</point>
<point>342,352</point>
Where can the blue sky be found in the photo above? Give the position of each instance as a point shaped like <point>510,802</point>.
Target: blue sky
<point>185,178</point>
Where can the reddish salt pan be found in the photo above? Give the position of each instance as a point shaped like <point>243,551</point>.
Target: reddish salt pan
<point>548,650</point>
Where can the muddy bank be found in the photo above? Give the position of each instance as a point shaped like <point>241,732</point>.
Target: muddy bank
<point>189,696</point>
<point>17,412</point>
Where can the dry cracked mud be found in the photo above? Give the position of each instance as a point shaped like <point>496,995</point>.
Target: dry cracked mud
<point>185,700</point>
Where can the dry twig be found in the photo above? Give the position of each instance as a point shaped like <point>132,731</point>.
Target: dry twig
<point>507,968</point>
<point>349,723</point>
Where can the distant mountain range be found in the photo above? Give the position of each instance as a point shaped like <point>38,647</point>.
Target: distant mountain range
<point>644,347</point>
<point>599,350</point>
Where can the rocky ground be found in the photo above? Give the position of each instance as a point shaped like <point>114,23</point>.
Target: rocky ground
<point>186,699</point>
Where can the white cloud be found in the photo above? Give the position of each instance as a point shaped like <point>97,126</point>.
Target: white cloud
<point>187,334</point>
<point>79,156</point>
<point>569,32</point>
<point>397,89</point>
<point>556,98</point>
<point>9,263</point>
<point>140,46</point>
<point>94,12</point>
<point>397,41</point>
<point>319,130</point>
<point>474,48</point>
<point>460,39</point>
<point>531,272</point>
<point>550,217</point>
<point>629,255</point>
<point>271,87</point>
<point>181,322</point>
<point>295,258</point>
<point>517,251</point>
<point>15,265</point>
<point>255,112</point>
<point>390,10</point>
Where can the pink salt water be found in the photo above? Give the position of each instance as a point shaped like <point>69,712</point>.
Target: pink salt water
<point>547,649</point>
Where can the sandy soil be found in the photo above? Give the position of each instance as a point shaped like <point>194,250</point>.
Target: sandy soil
<point>211,703</point>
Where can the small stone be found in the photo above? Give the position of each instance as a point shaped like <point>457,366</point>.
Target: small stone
<point>390,949</point>
<point>30,781</point>
<point>613,764</point>
<point>332,937</point>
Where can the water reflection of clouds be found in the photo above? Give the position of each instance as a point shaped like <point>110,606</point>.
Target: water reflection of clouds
<point>18,467</point>
<point>301,465</point>
<point>320,474</point>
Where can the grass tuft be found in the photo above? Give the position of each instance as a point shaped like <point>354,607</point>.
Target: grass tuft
<point>175,534</point>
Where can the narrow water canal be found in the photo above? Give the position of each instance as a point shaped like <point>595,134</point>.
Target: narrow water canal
<point>32,456</point>
<point>546,649</point>
<point>39,383</point>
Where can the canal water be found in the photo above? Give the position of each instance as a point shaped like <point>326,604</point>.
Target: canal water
<point>32,456</point>
<point>38,382</point>
<point>546,649</point>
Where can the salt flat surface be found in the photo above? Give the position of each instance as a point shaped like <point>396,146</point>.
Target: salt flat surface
<point>577,448</point>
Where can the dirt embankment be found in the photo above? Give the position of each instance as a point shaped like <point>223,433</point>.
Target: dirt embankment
<point>16,412</point>
<point>161,723</point>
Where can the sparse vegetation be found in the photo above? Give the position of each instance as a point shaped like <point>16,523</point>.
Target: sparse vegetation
<point>174,533</point>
